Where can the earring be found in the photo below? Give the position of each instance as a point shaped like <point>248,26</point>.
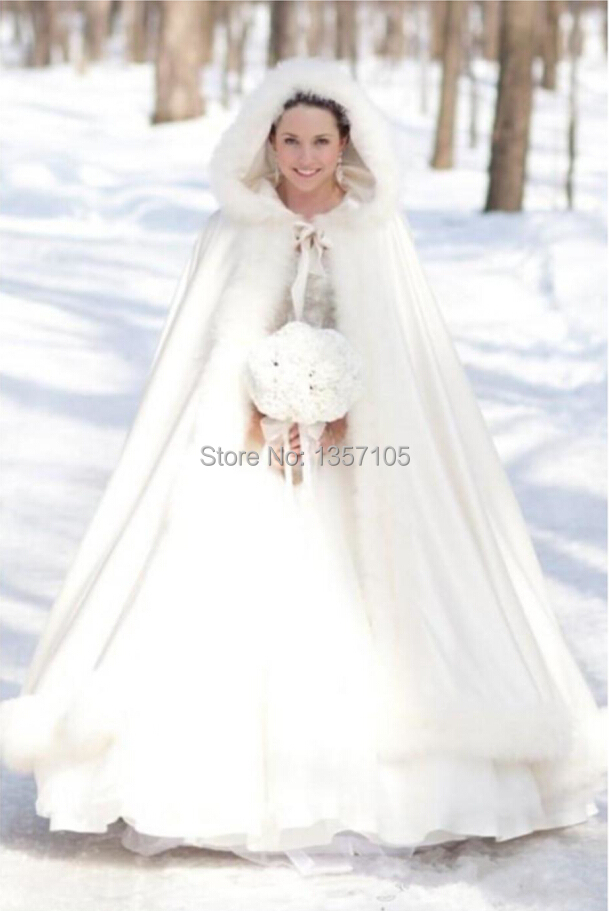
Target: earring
<point>339,171</point>
<point>276,171</point>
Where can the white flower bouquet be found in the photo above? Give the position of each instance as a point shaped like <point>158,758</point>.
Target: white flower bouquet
<point>305,375</point>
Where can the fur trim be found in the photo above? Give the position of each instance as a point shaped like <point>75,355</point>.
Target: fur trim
<point>537,726</point>
<point>26,731</point>
<point>240,161</point>
<point>41,727</point>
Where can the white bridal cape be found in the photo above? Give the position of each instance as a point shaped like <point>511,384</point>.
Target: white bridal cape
<point>370,667</point>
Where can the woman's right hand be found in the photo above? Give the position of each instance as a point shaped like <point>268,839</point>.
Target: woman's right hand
<point>293,444</point>
<point>256,435</point>
<point>294,437</point>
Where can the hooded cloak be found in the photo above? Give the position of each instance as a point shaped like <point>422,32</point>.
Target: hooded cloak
<point>471,658</point>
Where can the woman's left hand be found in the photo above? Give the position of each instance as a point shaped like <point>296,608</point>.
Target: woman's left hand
<point>334,433</point>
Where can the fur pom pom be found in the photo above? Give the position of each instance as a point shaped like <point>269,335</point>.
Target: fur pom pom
<point>26,731</point>
<point>36,726</point>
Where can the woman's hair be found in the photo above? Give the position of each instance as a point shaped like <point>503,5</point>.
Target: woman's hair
<point>317,101</point>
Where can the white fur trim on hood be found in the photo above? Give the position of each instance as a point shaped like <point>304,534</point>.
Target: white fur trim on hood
<point>241,161</point>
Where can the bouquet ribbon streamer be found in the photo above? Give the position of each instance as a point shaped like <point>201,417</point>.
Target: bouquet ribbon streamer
<point>308,239</point>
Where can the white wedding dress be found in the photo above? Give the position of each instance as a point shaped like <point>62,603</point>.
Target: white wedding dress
<point>250,718</point>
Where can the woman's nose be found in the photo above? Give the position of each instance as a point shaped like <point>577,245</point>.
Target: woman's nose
<point>306,157</point>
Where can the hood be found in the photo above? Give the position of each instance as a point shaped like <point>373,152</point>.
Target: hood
<point>241,168</point>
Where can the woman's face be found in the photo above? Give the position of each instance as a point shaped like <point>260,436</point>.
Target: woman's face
<point>307,145</point>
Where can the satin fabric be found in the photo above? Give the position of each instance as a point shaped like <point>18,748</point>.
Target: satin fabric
<point>413,683</point>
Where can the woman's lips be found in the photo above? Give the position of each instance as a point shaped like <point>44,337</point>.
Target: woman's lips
<point>312,174</point>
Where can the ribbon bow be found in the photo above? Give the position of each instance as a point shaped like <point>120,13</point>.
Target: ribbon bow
<point>308,238</point>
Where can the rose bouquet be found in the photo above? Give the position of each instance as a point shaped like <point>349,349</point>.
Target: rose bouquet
<point>305,375</point>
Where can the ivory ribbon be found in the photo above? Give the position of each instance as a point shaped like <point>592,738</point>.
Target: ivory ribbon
<point>308,239</point>
<point>278,432</point>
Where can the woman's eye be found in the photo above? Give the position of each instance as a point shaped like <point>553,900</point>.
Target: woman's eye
<point>321,140</point>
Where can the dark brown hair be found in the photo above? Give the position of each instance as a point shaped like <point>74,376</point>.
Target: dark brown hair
<point>317,101</point>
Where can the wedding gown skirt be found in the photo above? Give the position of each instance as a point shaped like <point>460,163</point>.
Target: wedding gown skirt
<point>245,679</point>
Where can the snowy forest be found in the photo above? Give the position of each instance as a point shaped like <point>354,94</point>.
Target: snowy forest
<point>181,39</point>
<point>110,112</point>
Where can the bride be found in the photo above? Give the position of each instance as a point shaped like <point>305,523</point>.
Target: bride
<point>305,662</point>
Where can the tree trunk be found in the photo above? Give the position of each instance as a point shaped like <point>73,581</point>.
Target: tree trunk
<point>551,42</point>
<point>393,44</point>
<point>346,32</point>
<point>316,27</point>
<point>208,17</point>
<point>136,33</point>
<point>178,96</point>
<point>490,29</point>
<point>574,44</point>
<point>437,17</point>
<point>42,14</point>
<point>510,138</point>
<point>96,27</point>
<point>237,20</point>
<point>451,68</point>
<point>60,34</point>
<point>423,39</point>
<point>283,34</point>
<point>470,45</point>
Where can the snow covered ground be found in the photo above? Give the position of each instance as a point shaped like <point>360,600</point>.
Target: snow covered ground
<point>98,214</point>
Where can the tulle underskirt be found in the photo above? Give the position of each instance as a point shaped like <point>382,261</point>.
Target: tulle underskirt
<point>244,675</point>
<point>435,801</point>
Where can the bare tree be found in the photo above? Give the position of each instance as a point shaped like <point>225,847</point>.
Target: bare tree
<point>42,14</point>
<point>136,18</point>
<point>283,34</point>
<point>490,29</point>
<point>47,36</point>
<point>550,41</point>
<point>393,42</point>
<point>209,17</point>
<point>346,32</point>
<point>96,27</point>
<point>438,10</point>
<point>236,18</point>
<point>470,48</point>
<point>573,46</point>
<point>178,96</point>
<point>451,67</point>
<point>316,27</point>
<point>510,138</point>
<point>423,16</point>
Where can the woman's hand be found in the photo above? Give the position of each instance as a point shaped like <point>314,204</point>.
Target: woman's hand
<point>334,433</point>
<point>254,431</point>
<point>256,436</point>
<point>294,438</point>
